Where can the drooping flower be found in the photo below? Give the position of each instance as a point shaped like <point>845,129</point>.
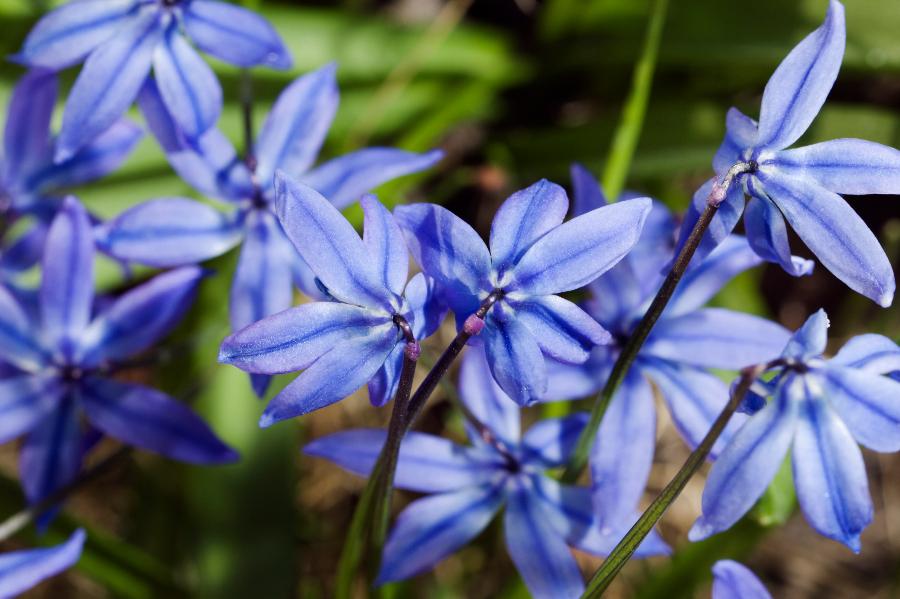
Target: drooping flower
<point>355,336</point>
<point>176,231</point>
<point>732,580</point>
<point>62,364</point>
<point>22,570</point>
<point>533,256</point>
<point>686,342</point>
<point>31,184</point>
<point>470,484</point>
<point>801,185</point>
<point>820,409</point>
<point>121,40</point>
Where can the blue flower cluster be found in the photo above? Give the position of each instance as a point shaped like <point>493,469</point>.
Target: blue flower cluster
<point>546,308</point>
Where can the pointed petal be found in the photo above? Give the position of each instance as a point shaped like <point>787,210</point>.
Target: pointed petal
<point>830,475</point>
<point>740,134</point>
<point>430,529</point>
<point>297,125</point>
<point>800,84</point>
<point>329,245</point>
<point>579,251</point>
<point>732,580</point>
<point>523,218</point>
<point>562,330</point>
<point>18,344</point>
<point>869,405</point>
<point>188,86</point>
<point>26,251</point>
<point>809,341</point>
<point>551,441</point>
<point>485,399</point>
<point>872,353</point>
<point>108,83</point>
<point>747,465</point>
<point>140,317</point>
<point>537,549</point>
<point>168,232</point>
<point>835,233</point>
<point>234,34</point>
<point>344,179</point>
<point>852,166</point>
<point>69,33</point>
<point>384,240</point>
<point>51,454</point>
<point>723,222</point>
<point>515,357</point>
<point>426,309</point>
<point>21,570</point>
<point>334,376</point>
<point>717,338</point>
<point>383,386</point>
<point>152,420</point>
<point>67,281</point>
<point>26,139</point>
<point>26,400</point>
<point>587,194</point>
<point>768,236</point>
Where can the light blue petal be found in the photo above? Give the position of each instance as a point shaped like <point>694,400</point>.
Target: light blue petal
<point>740,134</point>
<point>871,353</point>
<point>722,223</point>
<point>235,35</point>
<point>550,442</point>
<point>587,194</point>
<point>430,529</point>
<point>21,570</point>
<point>515,357</point>
<point>868,404</point>
<point>25,400</point>
<point>426,309</point>
<point>852,166</point>
<point>485,399</point>
<point>383,386</point>
<point>51,453</point>
<point>523,218</point>
<point>768,236</point>
<point>168,232</point>
<point>26,138</point>
<point>344,179</point>
<point>384,240</point>
<point>18,343</point>
<point>108,83</point>
<point>732,580</point>
<point>830,474</point>
<point>151,420</point>
<point>809,341</point>
<point>835,233</point>
<point>576,381</point>
<point>580,250</point>
<point>562,330</point>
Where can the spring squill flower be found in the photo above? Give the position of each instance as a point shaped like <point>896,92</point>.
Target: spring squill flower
<point>732,580</point>
<point>21,570</point>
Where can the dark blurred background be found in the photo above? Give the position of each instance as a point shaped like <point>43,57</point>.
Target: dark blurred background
<point>512,90</point>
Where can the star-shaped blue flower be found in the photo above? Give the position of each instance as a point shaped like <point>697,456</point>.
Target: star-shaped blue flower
<point>21,570</point>
<point>533,256</point>
<point>357,335</point>
<point>801,185</point>
<point>732,580</point>
<point>62,364</point>
<point>121,40</point>
<point>470,484</point>
<point>176,231</point>
<point>820,409</point>
<point>31,184</point>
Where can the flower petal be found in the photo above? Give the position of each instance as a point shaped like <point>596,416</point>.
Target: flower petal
<point>51,454</point>
<point>26,400</point>
<point>344,179</point>
<point>576,381</point>
<point>430,529</point>
<point>871,353</point>
<point>383,386</point>
<point>108,83</point>
<point>768,236</point>
<point>722,223</point>
<point>869,405</point>
<point>234,34</point>
<point>21,570</point>
<point>732,580</point>
<point>852,166</point>
<point>830,475</point>
<point>334,376</point>
<point>800,84</point>
<point>835,233</point>
<point>523,218</point>
<point>562,330</point>
<point>550,442</point>
<point>515,357</point>
<point>587,194</point>
<point>297,125</point>
<point>18,344</point>
<point>809,341</point>
<point>26,139</point>
<point>152,420</point>
<point>426,309</point>
<point>740,134</point>
<point>384,240</point>
<point>485,399</point>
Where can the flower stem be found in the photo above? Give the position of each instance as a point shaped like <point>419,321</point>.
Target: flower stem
<point>632,347</point>
<point>632,540</point>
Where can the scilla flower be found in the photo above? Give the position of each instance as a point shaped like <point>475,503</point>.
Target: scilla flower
<point>732,580</point>
<point>532,257</point>
<point>820,409</point>
<point>121,40</point>
<point>21,570</point>
<point>470,484</point>
<point>801,185</point>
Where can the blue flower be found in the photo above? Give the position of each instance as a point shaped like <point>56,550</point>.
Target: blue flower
<point>176,231</point>
<point>686,341</point>
<point>31,185</point>
<point>356,336</point>
<point>21,570</point>
<point>820,409</point>
<point>121,40</point>
<point>469,485</point>
<point>533,256</point>
<point>63,361</point>
<point>801,185</point>
<point>732,580</point>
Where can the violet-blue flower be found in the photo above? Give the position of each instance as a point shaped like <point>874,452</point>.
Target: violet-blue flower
<point>821,409</point>
<point>801,185</point>
<point>31,184</point>
<point>21,570</point>
<point>357,335</point>
<point>533,256</point>
<point>176,231</point>
<point>62,364</point>
<point>470,484</point>
<point>121,40</point>
<point>732,580</point>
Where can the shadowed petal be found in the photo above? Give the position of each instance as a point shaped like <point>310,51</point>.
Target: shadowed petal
<point>515,357</point>
<point>485,399</point>
<point>740,134</point>
<point>21,570</point>
<point>587,194</point>
<point>152,420</point>
<point>852,166</point>
<point>430,529</point>
<point>26,400</point>
<point>722,223</point>
<point>384,240</point>
<point>869,405</point>
<point>732,580</point>
<point>563,331</point>
<point>809,341</point>
<point>768,236</point>
<point>871,353</point>
<point>523,219</point>
<point>576,381</point>
<point>235,35</point>
<point>51,453</point>
<point>426,309</point>
<point>26,139</point>
<point>344,179</point>
<point>551,442</point>
<point>383,386</point>
<point>800,84</point>
<point>18,343</point>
